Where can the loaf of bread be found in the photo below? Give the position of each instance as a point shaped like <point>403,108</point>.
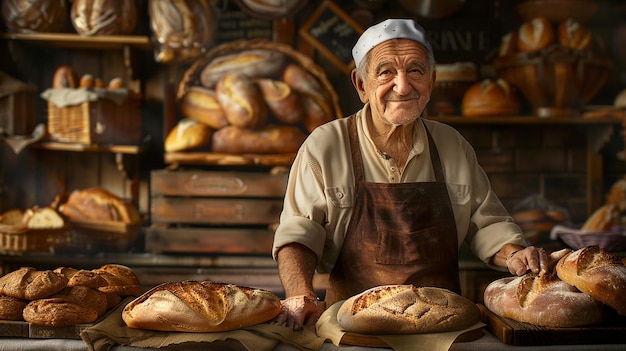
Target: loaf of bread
<point>610,214</point>
<point>104,17</point>
<point>28,283</point>
<point>13,217</point>
<point>42,218</point>
<point>406,309</point>
<point>573,35</point>
<point>99,204</point>
<point>535,35</point>
<point>188,134</point>
<point>253,63</point>
<point>283,102</point>
<point>58,312</point>
<point>490,98</point>
<point>200,104</point>
<point>81,277</point>
<point>242,101</point>
<point>270,9</point>
<point>272,139</point>
<point>121,280</point>
<point>65,77</point>
<point>11,308</point>
<point>600,274</point>
<point>88,297</point>
<point>543,300</point>
<point>457,72</point>
<point>192,306</point>
<point>181,29</point>
<point>28,16</point>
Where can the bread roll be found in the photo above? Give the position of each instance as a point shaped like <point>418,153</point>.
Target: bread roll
<point>283,102</point>
<point>272,139</point>
<point>64,77</point>
<point>99,204</point>
<point>597,273</point>
<point>200,104</point>
<point>115,83</point>
<point>535,35</point>
<point>28,283</point>
<point>188,134</point>
<point>242,101</point>
<point>11,308</point>
<point>88,297</point>
<point>573,35</point>
<point>192,306</point>
<point>542,300</point>
<point>490,98</point>
<point>253,63</point>
<point>86,81</point>
<point>58,312</point>
<point>406,309</point>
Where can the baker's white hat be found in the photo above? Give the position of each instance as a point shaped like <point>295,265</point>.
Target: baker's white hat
<point>388,29</point>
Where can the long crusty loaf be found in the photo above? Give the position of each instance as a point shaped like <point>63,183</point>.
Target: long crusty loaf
<point>192,306</point>
<point>406,309</point>
<point>600,274</point>
<point>542,300</point>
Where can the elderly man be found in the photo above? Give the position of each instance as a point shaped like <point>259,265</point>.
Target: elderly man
<point>386,197</point>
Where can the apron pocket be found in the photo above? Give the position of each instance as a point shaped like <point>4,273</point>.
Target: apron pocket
<point>404,248</point>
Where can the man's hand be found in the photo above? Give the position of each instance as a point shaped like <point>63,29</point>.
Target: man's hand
<point>533,259</point>
<point>299,311</point>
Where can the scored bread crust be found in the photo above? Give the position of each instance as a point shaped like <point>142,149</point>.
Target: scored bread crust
<point>406,309</point>
<point>193,306</point>
<point>542,300</point>
<point>58,312</point>
<point>30,284</point>
<point>11,308</point>
<point>597,273</point>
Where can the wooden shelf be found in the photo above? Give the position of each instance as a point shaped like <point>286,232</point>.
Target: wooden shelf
<point>118,149</point>
<point>68,40</point>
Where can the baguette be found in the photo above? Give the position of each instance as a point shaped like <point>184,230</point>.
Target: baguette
<point>192,306</point>
<point>273,139</point>
<point>242,101</point>
<point>406,309</point>
<point>253,63</point>
<point>600,274</point>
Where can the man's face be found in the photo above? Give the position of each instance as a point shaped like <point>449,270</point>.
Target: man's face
<point>398,82</point>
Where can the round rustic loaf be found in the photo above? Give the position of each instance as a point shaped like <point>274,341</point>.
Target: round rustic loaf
<point>58,312</point>
<point>192,306</point>
<point>542,300</point>
<point>535,35</point>
<point>406,309</point>
<point>98,204</point>
<point>30,284</point>
<point>600,274</point>
<point>490,98</point>
<point>11,308</point>
<point>88,297</point>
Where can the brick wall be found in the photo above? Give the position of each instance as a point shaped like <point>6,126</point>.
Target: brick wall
<point>523,160</point>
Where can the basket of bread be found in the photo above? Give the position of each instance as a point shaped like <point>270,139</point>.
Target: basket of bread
<point>605,227</point>
<point>85,220</point>
<point>249,101</point>
<point>558,66</point>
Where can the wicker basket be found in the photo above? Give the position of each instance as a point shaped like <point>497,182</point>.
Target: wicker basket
<point>96,122</point>
<point>192,75</point>
<point>18,240</point>
<point>612,241</point>
<point>557,81</point>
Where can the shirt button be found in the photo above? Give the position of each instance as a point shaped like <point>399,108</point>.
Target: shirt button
<point>339,195</point>
<point>393,169</point>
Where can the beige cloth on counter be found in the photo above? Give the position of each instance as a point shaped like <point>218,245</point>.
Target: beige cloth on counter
<point>263,337</point>
<point>328,328</point>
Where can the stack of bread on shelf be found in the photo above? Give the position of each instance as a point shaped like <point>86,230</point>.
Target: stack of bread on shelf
<point>65,296</point>
<point>252,99</point>
<point>580,288</point>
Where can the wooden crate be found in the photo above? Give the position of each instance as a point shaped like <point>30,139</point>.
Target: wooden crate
<point>96,122</point>
<point>207,211</point>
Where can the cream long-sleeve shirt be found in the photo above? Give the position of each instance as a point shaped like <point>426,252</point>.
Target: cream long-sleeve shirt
<point>320,191</point>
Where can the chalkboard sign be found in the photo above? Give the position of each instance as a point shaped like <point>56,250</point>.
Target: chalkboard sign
<point>331,31</point>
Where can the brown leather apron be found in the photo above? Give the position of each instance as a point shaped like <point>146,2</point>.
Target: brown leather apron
<point>399,233</point>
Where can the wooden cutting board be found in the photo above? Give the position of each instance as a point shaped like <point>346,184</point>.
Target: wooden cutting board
<point>524,334</point>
